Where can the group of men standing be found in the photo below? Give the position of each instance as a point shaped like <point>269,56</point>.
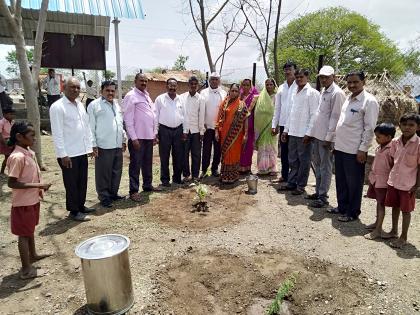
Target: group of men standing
<point>182,125</point>
<point>314,126</point>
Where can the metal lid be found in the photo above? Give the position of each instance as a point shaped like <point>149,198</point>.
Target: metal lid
<point>102,246</point>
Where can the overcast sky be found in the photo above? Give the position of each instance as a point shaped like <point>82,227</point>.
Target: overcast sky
<point>166,32</point>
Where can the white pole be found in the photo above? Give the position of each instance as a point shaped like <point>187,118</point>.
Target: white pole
<point>117,55</point>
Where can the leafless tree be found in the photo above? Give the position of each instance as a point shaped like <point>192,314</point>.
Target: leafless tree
<point>231,27</point>
<point>13,15</point>
<point>263,18</point>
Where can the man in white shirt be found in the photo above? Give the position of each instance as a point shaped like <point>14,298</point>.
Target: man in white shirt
<point>322,134</point>
<point>73,142</point>
<point>169,120</point>
<point>194,107</point>
<point>299,122</point>
<point>281,112</point>
<point>353,137</point>
<point>3,96</point>
<point>90,92</point>
<point>212,96</point>
<point>52,85</point>
<point>108,141</point>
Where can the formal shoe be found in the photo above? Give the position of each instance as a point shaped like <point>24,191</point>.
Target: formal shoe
<point>166,184</point>
<point>215,174</point>
<point>334,211</point>
<point>87,210</point>
<point>286,188</point>
<point>135,197</point>
<point>117,197</point>
<point>318,203</point>
<point>186,179</point>
<point>152,189</point>
<point>106,203</point>
<point>312,197</point>
<point>298,191</point>
<point>345,218</point>
<point>80,216</point>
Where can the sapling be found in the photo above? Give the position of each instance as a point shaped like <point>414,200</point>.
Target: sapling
<point>201,193</point>
<point>282,292</point>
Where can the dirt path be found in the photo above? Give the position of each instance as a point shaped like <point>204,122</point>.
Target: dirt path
<point>228,261</point>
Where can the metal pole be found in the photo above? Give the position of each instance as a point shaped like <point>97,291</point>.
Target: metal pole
<point>115,21</point>
<point>254,73</point>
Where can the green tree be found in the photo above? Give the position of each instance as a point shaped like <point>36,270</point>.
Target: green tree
<point>412,56</point>
<point>109,75</point>
<point>11,58</point>
<point>180,62</point>
<point>359,43</point>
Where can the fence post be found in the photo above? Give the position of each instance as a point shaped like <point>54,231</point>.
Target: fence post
<point>254,73</point>
<point>320,64</point>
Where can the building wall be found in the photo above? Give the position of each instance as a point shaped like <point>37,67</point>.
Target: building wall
<point>155,88</point>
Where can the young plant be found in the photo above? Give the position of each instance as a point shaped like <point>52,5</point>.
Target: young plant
<point>201,192</point>
<point>282,292</point>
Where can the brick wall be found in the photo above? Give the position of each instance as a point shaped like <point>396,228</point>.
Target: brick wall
<point>155,88</point>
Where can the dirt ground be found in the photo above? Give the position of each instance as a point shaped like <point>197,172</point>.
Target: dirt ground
<point>230,260</point>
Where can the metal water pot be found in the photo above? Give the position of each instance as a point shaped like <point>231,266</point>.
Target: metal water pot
<point>252,181</point>
<point>106,274</point>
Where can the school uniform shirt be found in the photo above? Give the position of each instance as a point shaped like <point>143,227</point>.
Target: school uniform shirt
<point>302,112</point>
<point>169,112</point>
<point>357,121</point>
<point>22,165</point>
<point>52,85</point>
<point>194,108</point>
<point>283,104</point>
<point>5,127</point>
<point>403,175</point>
<point>381,166</point>
<point>139,115</point>
<point>328,113</point>
<point>70,128</point>
<point>212,99</point>
<point>106,124</point>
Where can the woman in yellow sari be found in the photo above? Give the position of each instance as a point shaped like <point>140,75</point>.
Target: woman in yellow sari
<point>231,130</point>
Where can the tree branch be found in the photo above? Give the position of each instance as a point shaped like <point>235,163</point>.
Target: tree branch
<point>216,14</point>
<point>39,38</point>
<point>194,19</point>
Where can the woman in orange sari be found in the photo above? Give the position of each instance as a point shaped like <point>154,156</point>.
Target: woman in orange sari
<point>231,132</point>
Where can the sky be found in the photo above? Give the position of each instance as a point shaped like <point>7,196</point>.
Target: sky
<point>168,31</point>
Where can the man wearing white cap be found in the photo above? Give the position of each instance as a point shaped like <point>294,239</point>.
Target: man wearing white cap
<point>323,134</point>
<point>212,96</point>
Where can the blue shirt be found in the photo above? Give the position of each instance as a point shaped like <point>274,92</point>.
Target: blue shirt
<point>106,124</point>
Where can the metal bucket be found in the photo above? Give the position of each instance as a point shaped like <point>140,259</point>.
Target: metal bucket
<point>252,181</point>
<point>106,273</point>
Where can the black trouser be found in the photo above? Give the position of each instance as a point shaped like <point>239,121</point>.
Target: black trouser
<point>3,102</point>
<point>75,183</point>
<point>192,144</point>
<point>108,170</point>
<point>140,160</point>
<point>88,101</point>
<point>284,156</point>
<point>52,98</point>
<point>349,178</point>
<point>209,141</point>
<point>170,142</point>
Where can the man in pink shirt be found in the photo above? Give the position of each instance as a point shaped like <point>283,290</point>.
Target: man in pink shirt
<point>404,178</point>
<point>139,119</point>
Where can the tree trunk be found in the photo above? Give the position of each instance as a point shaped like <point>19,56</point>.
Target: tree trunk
<point>30,81</point>
<point>275,46</point>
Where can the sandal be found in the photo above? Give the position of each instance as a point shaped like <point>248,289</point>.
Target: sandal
<point>318,204</point>
<point>312,197</point>
<point>298,191</point>
<point>33,273</point>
